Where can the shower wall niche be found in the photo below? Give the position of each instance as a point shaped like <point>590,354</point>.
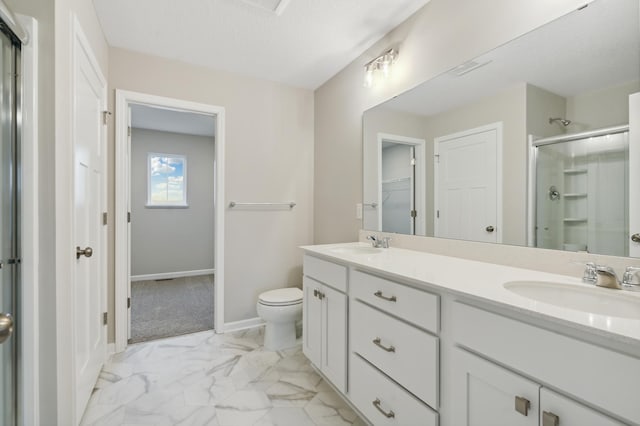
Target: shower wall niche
<point>580,186</point>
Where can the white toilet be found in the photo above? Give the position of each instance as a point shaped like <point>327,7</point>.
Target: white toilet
<point>280,309</point>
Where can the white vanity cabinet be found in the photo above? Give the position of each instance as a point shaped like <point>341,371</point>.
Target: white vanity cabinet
<point>394,366</point>
<point>324,318</point>
<point>495,395</point>
<point>492,395</point>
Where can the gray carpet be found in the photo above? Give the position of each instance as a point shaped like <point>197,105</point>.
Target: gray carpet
<point>171,307</point>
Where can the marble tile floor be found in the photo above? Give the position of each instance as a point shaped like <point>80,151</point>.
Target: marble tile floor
<point>213,379</point>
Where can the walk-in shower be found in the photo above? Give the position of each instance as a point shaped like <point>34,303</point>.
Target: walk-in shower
<point>11,37</point>
<point>579,192</point>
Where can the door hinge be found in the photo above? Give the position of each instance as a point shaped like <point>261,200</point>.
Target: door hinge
<point>129,131</point>
<point>438,214</point>
<point>128,302</point>
<point>104,218</point>
<point>104,318</point>
<point>413,213</point>
<point>105,117</point>
<point>128,217</point>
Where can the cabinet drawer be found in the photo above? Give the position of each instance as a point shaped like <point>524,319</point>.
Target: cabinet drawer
<point>368,385</point>
<point>581,369</point>
<point>326,272</point>
<point>413,362</point>
<point>413,305</point>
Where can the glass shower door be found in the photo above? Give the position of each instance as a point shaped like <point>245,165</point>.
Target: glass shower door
<point>8,231</point>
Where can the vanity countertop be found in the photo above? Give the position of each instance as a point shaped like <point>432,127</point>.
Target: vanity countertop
<point>484,282</point>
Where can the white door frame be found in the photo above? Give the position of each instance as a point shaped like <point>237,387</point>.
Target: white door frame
<point>122,184</point>
<point>634,172</point>
<point>436,170</point>
<point>421,176</point>
<point>65,243</point>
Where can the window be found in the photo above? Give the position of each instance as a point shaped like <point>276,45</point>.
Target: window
<point>167,180</point>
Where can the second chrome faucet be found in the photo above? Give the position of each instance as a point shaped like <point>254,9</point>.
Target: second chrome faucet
<point>379,242</point>
<point>605,276</point>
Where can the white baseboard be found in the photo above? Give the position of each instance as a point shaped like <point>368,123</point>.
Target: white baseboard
<point>241,325</point>
<point>170,275</point>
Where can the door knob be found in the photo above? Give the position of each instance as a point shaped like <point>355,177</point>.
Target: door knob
<point>6,326</point>
<point>635,238</point>
<point>489,228</point>
<point>87,252</point>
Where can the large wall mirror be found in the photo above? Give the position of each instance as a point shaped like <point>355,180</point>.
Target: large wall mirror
<point>525,145</point>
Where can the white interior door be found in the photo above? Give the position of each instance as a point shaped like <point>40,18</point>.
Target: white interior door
<point>467,201</point>
<point>89,332</point>
<point>634,175</point>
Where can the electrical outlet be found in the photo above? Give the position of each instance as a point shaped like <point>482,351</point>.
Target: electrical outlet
<point>359,211</point>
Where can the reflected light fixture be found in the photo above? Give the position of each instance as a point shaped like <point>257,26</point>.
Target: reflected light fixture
<point>381,64</point>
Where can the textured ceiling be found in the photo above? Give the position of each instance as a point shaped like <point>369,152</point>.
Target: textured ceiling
<point>304,45</point>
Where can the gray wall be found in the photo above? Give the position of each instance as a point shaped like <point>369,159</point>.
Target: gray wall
<point>172,239</point>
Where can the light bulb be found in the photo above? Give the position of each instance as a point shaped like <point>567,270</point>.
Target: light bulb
<point>368,76</point>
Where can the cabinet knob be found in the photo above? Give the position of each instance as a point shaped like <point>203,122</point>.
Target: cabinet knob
<point>489,229</point>
<point>635,238</point>
<point>550,419</point>
<point>522,405</point>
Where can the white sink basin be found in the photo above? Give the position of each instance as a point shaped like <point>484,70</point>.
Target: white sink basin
<point>367,250</point>
<point>613,303</point>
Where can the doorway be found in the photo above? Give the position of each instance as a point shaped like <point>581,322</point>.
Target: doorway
<point>169,216</point>
<point>468,185</point>
<point>172,203</point>
<point>401,184</point>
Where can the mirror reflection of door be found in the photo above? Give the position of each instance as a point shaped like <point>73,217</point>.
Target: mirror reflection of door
<point>467,200</point>
<point>401,185</point>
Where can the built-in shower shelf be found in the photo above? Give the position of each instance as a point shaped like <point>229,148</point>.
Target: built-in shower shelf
<point>574,171</point>
<point>575,195</point>
<point>575,219</point>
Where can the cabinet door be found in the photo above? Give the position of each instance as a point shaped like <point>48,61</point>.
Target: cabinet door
<point>334,337</point>
<point>557,410</point>
<point>312,321</point>
<point>488,395</point>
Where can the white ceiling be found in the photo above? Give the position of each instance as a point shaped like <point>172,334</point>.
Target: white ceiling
<point>590,49</point>
<point>166,120</point>
<point>305,45</point>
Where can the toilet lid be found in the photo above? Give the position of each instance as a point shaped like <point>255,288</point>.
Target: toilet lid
<point>281,296</point>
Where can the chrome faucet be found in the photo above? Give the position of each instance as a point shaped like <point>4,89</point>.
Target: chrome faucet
<point>631,279</point>
<point>379,242</point>
<point>606,277</point>
<point>590,276</point>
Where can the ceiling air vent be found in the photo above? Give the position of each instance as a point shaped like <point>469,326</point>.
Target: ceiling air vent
<point>467,67</point>
<point>274,6</point>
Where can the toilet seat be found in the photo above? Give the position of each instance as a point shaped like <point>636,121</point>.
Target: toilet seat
<point>281,297</point>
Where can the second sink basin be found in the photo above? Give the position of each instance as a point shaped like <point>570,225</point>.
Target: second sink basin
<point>599,301</point>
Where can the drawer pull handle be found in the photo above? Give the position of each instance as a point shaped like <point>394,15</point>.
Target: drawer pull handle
<point>377,341</point>
<point>522,405</point>
<point>550,419</point>
<point>389,299</point>
<point>388,415</point>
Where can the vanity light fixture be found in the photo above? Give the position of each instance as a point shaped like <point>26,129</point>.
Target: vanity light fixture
<point>382,64</point>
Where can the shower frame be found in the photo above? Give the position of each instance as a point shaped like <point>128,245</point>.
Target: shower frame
<point>534,144</point>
